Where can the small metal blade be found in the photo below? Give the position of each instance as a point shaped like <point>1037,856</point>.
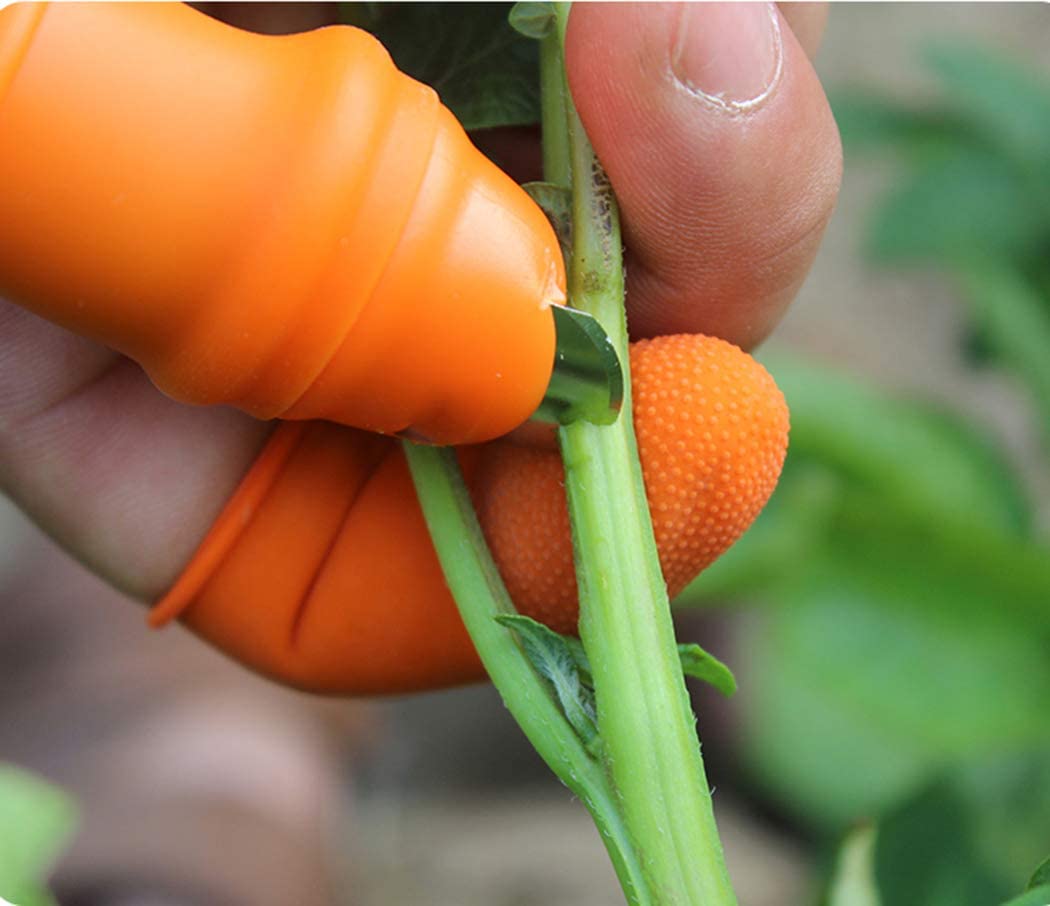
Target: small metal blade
<point>587,381</point>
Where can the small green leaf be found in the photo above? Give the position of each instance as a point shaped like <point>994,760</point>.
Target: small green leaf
<point>36,821</point>
<point>700,665</point>
<point>579,656</point>
<point>532,18</point>
<point>1040,877</point>
<point>853,880</point>
<point>485,72</point>
<point>557,658</point>
<point>1039,896</point>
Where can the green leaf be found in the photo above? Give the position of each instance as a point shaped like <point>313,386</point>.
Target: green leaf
<point>963,201</point>
<point>36,821</point>
<point>562,661</point>
<point>1015,322</point>
<point>868,121</point>
<point>485,72</point>
<point>958,840</point>
<point>360,15</point>
<point>557,659</point>
<point>1040,877</point>
<point>881,664</point>
<point>986,567</point>
<point>925,855</point>
<point>927,459</point>
<point>1008,101</point>
<point>532,19</point>
<point>1008,798</point>
<point>1040,896</point>
<point>853,880</point>
<point>700,665</point>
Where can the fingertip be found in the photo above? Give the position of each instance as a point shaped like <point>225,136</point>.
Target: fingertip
<point>723,153</point>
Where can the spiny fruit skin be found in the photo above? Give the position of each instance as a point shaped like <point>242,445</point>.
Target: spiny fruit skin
<point>712,431</point>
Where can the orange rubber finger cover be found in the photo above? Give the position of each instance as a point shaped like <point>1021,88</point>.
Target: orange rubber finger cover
<point>284,224</point>
<point>320,571</point>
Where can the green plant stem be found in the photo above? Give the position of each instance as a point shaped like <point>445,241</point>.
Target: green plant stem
<point>645,719</point>
<point>481,596</point>
<point>645,783</point>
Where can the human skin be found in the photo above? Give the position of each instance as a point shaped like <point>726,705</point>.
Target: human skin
<point>726,161</point>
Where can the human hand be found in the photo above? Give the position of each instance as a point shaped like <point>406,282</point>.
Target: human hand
<point>724,197</point>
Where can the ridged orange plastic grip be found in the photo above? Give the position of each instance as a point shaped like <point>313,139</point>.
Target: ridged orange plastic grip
<point>285,224</point>
<point>320,571</point>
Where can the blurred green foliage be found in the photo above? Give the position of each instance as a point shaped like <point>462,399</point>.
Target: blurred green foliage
<point>899,668</point>
<point>36,821</point>
<point>972,197</point>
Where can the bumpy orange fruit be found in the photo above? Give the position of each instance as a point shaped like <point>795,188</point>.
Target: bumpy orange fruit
<point>712,431</point>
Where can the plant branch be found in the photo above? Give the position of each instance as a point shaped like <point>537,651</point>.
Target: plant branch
<point>643,781</point>
<point>645,719</point>
<point>481,597</point>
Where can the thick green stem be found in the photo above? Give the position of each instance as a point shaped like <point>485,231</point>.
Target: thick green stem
<point>645,719</point>
<point>645,786</point>
<point>481,596</point>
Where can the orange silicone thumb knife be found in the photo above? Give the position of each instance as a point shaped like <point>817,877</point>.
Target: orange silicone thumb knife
<point>284,224</point>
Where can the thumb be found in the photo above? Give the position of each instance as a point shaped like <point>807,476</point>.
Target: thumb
<point>723,153</point>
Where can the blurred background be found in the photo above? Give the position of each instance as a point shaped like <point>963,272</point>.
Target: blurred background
<point>887,618</point>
